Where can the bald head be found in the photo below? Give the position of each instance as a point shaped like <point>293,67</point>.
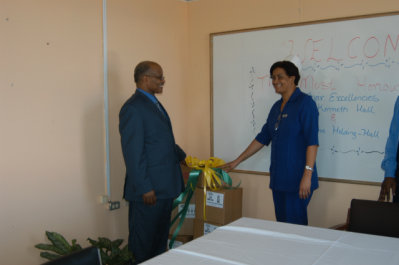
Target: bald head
<point>142,69</point>
<point>149,77</point>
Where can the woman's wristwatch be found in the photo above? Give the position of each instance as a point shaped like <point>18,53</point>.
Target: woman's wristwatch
<point>308,168</point>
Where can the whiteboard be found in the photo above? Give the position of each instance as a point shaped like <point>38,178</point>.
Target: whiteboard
<point>351,69</point>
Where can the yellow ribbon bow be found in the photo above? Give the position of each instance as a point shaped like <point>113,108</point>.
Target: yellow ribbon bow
<point>210,178</point>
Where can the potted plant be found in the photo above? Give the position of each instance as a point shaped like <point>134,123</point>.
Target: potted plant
<point>110,251</point>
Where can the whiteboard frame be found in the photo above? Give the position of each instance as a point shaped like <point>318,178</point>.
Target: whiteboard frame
<point>212,35</point>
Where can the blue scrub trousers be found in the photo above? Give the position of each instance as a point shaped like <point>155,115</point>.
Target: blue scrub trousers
<point>289,208</point>
<point>149,228</point>
<point>395,198</point>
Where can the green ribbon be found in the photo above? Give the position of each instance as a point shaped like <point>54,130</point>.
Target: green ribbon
<point>188,194</point>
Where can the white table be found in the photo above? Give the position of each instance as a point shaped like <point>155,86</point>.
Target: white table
<point>254,241</point>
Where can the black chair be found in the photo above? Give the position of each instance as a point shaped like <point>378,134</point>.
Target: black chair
<point>86,256</point>
<point>374,217</point>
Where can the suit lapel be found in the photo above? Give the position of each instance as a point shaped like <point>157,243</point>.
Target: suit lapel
<point>166,116</point>
<point>151,105</point>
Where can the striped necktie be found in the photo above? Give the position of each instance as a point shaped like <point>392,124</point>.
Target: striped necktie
<point>160,108</point>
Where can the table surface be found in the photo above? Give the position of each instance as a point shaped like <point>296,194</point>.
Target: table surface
<point>255,241</point>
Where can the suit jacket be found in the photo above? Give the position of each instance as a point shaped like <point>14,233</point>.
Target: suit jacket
<point>151,155</point>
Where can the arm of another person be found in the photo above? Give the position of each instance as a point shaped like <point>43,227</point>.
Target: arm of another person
<point>263,138</point>
<point>310,123</point>
<point>252,148</point>
<point>132,138</point>
<point>306,181</point>
<point>389,163</point>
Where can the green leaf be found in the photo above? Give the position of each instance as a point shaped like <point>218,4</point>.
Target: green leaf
<point>126,254</point>
<point>104,258</point>
<point>116,243</point>
<point>49,247</point>
<point>105,243</point>
<point>49,256</point>
<point>75,247</point>
<point>110,251</point>
<point>91,239</point>
<point>59,242</point>
<point>93,242</point>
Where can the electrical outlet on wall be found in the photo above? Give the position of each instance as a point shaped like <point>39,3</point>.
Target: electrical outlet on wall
<point>113,205</point>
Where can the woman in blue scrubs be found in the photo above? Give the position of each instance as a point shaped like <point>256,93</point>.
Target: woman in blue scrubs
<point>391,161</point>
<point>292,127</point>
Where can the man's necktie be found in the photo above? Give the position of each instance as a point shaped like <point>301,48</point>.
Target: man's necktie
<point>160,108</point>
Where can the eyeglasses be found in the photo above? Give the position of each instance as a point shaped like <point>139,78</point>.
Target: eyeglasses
<point>159,77</point>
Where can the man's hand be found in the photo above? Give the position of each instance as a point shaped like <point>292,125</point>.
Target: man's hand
<point>149,198</point>
<point>387,185</point>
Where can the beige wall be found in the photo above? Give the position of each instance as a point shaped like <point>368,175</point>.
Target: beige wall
<point>51,106</point>
<point>330,202</point>
<point>51,111</point>
<point>52,158</point>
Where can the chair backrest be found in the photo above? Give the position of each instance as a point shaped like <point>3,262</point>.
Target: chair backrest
<point>86,256</point>
<point>374,217</point>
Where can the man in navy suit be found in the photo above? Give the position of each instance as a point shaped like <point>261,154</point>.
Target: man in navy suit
<point>153,174</point>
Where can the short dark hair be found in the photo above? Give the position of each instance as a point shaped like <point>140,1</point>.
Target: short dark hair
<point>141,69</point>
<point>289,68</point>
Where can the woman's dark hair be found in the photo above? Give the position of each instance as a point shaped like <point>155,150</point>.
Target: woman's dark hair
<point>289,68</point>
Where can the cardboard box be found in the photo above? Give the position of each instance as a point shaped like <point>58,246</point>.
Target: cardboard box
<point>180,240</point>
<point>188,224</point>
<point>202,227</point>
<point>200,182</point>
<point>221,207</point>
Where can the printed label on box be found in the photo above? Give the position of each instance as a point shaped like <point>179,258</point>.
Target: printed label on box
<point>208,228</point>
<point>190,211</point>
<point>214,199</point>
